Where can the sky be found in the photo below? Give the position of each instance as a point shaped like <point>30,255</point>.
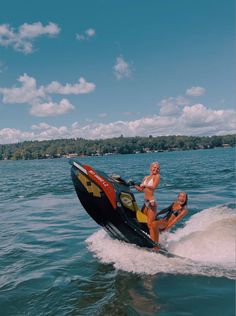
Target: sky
<point>97,69</point>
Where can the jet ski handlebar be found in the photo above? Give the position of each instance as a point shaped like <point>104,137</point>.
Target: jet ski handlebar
<point>118,178</point>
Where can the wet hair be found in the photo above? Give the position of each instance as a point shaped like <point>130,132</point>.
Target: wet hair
<point>186,198</point>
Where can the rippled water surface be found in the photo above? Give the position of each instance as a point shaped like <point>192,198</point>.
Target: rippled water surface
<point>54,260</point>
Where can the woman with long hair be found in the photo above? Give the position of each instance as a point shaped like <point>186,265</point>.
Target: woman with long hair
<point>148,186</point>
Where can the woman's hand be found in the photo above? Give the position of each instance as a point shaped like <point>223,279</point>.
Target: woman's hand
<point>138,187</point>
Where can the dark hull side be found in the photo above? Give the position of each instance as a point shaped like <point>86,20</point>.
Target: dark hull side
<point>107,208</point>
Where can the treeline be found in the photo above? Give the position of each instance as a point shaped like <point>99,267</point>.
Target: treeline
<point>119,145</point>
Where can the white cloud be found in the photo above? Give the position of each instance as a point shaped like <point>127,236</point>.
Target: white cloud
<point>51,108</point>
<point>37,29</point>
<point>41,131</point>
<point>39,97</point>
<point>195,91</point>
<point>199,116</point>
<point>90,32</point>
<point>78,88</point>
<point>40,126</point>
<point>192,120</point>
<point>122,69</point>
<point>46,131</point>
<point>86,35</point>
<point>172,106</point>
<point>177,116</point>
<point>12,135</point>
<point>27,93</point>
<point>22,40</point>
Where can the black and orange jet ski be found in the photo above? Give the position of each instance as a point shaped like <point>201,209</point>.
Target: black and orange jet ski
<point>111,204</point>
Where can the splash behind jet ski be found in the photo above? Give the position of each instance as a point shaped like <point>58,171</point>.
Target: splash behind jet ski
<point>110,202</point>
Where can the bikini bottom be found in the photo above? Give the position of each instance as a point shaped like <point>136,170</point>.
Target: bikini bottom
<point>149,204</point>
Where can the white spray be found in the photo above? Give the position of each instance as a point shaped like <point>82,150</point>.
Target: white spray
<point>206,243</point>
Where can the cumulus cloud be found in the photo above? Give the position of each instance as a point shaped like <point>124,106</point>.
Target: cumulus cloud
<point>177,116</point>
<point>46,131</point>
<point>27,93</point>
<point>39,97</point>
<point>39,132</point>
<point>78,88</point>
<point>22,39</point>
<point>200,118</point>
<point>195,91</point>
<point>40,126</point>
<point>86,35</point>
<point>172,105</point>
<point>51,108</point>
<point>122,69</point>
<point>12,135</point>
<point>194,119</point>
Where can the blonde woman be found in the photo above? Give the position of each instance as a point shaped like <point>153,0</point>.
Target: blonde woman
<point>148,186</point>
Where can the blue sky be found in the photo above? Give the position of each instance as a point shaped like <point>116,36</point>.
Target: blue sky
<point>102,68</point>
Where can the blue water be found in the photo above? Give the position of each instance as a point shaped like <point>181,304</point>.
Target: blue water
<point>54,260</point>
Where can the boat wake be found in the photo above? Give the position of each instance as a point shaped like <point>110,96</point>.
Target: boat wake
<point>206,246</point>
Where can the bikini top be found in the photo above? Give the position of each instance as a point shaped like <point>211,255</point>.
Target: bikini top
<point>168,211</point>
<point>147,183</point>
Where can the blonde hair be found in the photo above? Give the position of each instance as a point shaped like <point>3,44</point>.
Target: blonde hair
<point>155,163</point>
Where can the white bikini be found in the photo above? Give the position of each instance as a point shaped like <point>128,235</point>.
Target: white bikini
<point>148,183</point>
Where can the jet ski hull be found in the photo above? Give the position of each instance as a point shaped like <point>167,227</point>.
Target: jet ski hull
<point>111,204</point>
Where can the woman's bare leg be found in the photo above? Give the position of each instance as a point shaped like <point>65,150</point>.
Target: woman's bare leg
<point>155,231</point>
<point>156,226</point>
<point>151,215</point>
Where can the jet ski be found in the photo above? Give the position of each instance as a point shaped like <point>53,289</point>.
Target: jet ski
<point>111,204</point>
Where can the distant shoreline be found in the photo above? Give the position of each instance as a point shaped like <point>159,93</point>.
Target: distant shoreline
<point>71,148</point>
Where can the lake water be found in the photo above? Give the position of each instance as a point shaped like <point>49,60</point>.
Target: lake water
<point>54,260</point>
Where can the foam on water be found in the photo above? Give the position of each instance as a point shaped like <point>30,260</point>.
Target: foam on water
<point>208,236</point>
<point>206,243</point>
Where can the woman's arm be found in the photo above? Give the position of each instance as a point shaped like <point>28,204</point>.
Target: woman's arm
<point>139,187</point>
<point>174,220</point>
